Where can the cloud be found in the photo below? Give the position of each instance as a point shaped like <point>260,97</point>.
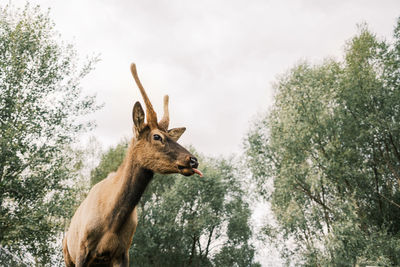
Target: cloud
<point>216,59</point>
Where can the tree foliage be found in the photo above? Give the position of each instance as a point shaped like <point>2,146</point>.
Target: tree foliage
<point>331,147</point>
<point>109,162</point>
<point>40,107</point>
<point>189,221</point>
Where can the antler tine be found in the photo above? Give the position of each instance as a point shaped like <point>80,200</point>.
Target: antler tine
<point>164,122</point>
<point>151,114</point>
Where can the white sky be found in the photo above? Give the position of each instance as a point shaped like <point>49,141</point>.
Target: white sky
<point>216,59</point>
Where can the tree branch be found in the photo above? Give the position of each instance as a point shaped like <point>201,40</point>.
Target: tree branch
<point>390,201</point>
<point>209,240</point>
<point>317,200</point>
<point>193,251</point>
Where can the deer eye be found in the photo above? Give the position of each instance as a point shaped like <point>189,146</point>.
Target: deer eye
<point>157,137</point>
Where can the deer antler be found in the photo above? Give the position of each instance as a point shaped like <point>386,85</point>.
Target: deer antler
<point>164,122</point>
<point>151,114</point>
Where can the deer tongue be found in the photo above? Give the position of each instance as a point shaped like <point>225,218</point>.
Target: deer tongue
<point>198,172</point>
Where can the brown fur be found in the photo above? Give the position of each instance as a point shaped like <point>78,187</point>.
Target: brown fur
<point>102,228</point>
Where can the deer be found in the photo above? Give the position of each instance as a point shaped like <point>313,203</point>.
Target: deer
<point>102,228</point>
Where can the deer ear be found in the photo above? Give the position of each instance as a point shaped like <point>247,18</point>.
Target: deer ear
<point>176,133</point>
<point>138,117</point>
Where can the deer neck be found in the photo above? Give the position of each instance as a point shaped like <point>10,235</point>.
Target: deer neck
<point>132,181</point>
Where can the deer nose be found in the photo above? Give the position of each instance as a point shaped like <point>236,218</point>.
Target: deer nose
<point>193,162</point>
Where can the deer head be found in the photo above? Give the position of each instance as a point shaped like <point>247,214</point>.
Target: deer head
<point>157,146</point>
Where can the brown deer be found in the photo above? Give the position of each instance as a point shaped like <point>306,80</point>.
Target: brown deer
<point>103,226</point>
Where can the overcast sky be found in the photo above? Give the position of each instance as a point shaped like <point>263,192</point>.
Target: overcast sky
<point>217,60</point>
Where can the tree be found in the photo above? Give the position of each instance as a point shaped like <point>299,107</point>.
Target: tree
<point>331,147</point>
<point>189,221</point>
<point>110,161</point>
<point>41,103</point>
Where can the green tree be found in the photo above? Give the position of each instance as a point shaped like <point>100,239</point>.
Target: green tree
<point>41,104</point>
<point>189,221</point>
<point>330,145</point>
<point>110,161</point>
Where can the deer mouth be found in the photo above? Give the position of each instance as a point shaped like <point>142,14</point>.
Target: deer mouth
<point>188,171</point>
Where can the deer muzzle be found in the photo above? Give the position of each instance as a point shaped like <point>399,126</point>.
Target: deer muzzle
<point>190,167</point>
